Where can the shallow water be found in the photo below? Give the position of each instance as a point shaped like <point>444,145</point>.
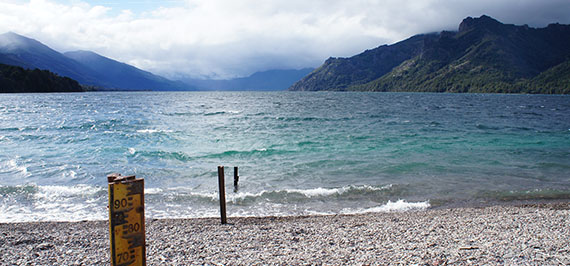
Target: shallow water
<point>297,152</point>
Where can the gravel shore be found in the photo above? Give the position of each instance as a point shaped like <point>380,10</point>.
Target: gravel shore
<point>537,234</point>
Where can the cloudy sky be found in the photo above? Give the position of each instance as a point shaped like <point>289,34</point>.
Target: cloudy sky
<point>232,38</point>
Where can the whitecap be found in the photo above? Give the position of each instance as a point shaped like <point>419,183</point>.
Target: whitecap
<point>209,195</point>
<point>153,190</point>
<point>242,195</point>
<point>151,131</point>
<point>70,174</point>
<point>309,193</point>
<point>317,192</point>
<point>11,166</point>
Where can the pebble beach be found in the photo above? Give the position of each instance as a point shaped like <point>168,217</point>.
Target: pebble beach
<point>532,234</point>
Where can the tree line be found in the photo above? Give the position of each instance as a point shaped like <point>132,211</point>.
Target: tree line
<point>14,79</point>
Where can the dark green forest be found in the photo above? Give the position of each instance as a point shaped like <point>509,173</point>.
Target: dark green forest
<point>15,79</point>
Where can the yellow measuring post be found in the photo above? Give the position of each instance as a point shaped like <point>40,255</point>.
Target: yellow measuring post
<point>126,220</point>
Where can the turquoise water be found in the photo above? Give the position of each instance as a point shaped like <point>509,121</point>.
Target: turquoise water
<point>298,153</point>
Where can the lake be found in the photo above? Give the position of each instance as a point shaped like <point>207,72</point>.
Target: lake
<point>298,153</point>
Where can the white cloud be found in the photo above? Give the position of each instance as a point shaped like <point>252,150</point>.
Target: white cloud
<point>235,38</point>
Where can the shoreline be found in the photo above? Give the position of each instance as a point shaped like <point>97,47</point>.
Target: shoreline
<point>454,205</point>
<point>535,233</point>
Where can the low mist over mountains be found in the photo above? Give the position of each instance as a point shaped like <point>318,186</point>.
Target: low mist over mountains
<point>271,80</point>
<point>484,55</point>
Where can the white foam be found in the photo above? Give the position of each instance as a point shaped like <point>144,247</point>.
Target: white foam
<point>210,195</point>
<point>150,131</point>
<point>70,174</point>
<point>309,193</point>
<point>87,202</point>
<point>55,212</point>
<point>242,195</point>
<point>317,192</point>
<point>400,206</point>
<point>153,190</point>
<point>314,213</point>
<point>57,203</point>
<point>54,191</point>
<point>11,166</point>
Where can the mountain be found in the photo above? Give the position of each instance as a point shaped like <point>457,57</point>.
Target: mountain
<point>271,80</point>
<point>87,68</point>
<point>15,79</point>
<point>121,75</point>
<point>28,53</point>
<point>484,55</point>
<point>340,73</point>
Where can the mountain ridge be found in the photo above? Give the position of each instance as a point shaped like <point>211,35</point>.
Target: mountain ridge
<point>86,67</point>
<point>101,73</point>
<point>18,50</point>
<point>484,55</point>
<point>115,72</point>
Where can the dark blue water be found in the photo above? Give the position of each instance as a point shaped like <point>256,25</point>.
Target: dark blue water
<point>298,153</point>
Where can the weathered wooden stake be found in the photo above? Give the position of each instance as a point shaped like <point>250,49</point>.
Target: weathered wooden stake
<point>222,194</point>
<point>236,179</point>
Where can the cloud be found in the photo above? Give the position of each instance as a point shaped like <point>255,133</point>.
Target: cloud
<point>215,38</point>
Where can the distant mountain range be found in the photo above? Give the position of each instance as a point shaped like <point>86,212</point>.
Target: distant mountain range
<point>271,80</point>
<point>87,68</point>
<point>102,73</point>
<point>123,76</point>
<point>484,55</point>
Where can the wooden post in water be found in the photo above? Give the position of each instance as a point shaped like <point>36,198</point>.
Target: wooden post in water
<point>236,179</point>
<point>222,194</point>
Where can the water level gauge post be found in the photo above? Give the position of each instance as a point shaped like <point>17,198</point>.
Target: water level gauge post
<point>126,220</point>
